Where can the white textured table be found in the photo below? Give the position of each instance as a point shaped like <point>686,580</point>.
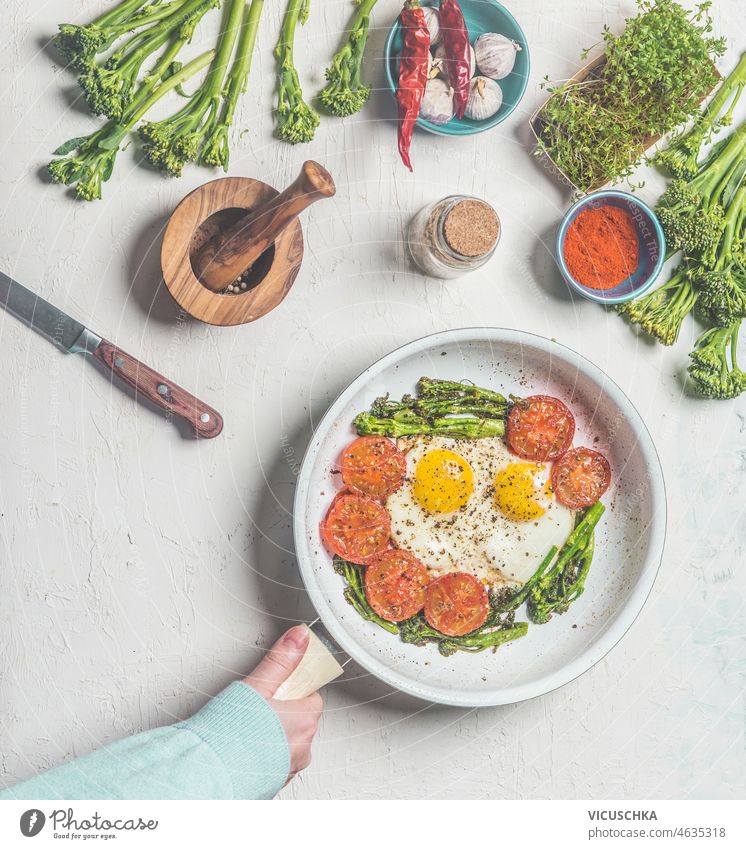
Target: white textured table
<point>141,571</point>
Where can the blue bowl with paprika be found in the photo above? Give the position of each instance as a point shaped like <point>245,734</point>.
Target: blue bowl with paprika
<point>481,16</point>
<point>610,247</point>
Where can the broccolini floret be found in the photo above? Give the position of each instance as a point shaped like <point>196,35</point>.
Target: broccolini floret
<point>297,121</point>
<point>172,142</point>
<point>91,166</point>
<point>661,312</point>
<point>108,89</point>
<point>79,43</point>
<point>689,223</point>
<point>712,375</point>
<point>345,93</point>
<point>691,213</point>
<point>722,297</point>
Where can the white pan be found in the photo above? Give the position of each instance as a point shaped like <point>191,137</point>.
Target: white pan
<point>629,538</point>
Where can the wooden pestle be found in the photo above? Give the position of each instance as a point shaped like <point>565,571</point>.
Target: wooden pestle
<point>220,260</point>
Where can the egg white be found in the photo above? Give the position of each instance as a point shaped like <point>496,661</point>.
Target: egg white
<point>478,538</point>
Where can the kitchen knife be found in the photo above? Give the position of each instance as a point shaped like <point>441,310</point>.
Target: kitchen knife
<point>74,338</point>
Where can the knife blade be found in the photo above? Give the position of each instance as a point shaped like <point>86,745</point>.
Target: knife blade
<point>75,338</point>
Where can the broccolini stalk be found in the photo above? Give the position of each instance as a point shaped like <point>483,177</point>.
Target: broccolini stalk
<point>682,154</point>
<point>468,427</point>
<point>217,149</point>
<point>713,377</point>
<point>92,164</point>
<point>430,407</point>
<point>564,582</point>
<point>417,631</point>
<point>568,588</point>
<point>297,121</point>
<point>720,255</point>
<point>457,427</point>
<point>442,407</point>
<point>108,89</point>
<point>661,312</point>
<point>514,601</point>
<point>430,387</point>
<point>345,93</point>
<point>178,139</point>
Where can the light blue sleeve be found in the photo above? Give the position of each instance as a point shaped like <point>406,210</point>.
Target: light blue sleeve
<point>234,748</point>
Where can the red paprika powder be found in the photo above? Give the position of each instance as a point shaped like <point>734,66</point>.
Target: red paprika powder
<point>601,248</point>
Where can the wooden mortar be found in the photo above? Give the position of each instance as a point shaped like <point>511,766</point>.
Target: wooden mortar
<point>232,226</point>
<point>220,260</point>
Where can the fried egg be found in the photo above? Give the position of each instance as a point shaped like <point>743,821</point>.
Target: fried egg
<point>472,506</point>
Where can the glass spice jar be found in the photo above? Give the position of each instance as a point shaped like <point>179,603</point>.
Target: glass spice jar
<point>453,236</point>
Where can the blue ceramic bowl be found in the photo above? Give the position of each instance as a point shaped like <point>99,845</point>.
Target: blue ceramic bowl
<point>481,16</point>
<point>650,239</point>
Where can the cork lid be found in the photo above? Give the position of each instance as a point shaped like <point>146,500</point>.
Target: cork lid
<point>471,228</point>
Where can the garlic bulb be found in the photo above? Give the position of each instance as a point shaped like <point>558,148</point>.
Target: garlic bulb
<point>437,102</point>
<point>432,19</point>
<point>495,55</point>
<point>442,63</point>
<point>485,98</point>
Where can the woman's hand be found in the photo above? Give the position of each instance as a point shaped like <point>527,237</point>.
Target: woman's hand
<point>299,717</point>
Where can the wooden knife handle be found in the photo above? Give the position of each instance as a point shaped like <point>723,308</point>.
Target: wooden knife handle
<point>204,421</point>
<point>219,262</point>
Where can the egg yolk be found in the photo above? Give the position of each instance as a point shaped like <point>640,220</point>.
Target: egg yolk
<point>515,492</point>
<point>443,481</point>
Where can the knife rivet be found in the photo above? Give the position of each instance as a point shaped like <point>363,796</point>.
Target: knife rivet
<point>204,417</point>
<point>118,362</point>
<point>162,389</point>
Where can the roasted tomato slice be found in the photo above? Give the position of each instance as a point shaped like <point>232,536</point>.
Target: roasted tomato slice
<point>395,583</point>
<point>456,604</point>
<point>374,466</point>
<point>580,477</point>
<point>540,428</point>
<point>356,527</point>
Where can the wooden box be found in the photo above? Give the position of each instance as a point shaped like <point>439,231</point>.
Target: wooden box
<point>536,124</point>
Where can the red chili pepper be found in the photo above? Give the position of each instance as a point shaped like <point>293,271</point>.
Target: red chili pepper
<point>412,73</point>
<point>458,52</point>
